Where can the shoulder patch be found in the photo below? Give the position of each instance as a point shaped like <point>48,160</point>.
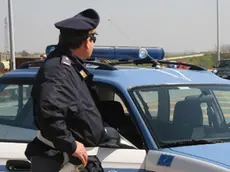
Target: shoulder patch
<point>83,74</point>
<point>65,60</point>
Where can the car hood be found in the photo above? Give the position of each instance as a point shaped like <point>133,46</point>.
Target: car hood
<point>218,153</point>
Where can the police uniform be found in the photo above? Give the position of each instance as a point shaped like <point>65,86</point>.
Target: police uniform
<point>64,110</point>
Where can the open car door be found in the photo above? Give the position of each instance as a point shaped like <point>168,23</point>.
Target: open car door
<point>116,159</point>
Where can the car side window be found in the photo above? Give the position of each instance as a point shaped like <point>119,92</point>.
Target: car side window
<point>116,114</point>
<point>16,118</point>
<point>118,99</point>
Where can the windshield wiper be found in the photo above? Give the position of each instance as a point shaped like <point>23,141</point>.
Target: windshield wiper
<point>190,142</point>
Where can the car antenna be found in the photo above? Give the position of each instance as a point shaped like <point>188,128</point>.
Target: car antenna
<point>126,35</point>
<point>123,33</point>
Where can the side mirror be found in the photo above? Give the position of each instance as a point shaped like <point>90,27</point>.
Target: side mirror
<point>111,138</point>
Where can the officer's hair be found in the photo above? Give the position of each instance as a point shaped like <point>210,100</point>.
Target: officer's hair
<point>72,39</point>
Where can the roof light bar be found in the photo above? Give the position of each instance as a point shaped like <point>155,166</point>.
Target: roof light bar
<point>121,53</point>
<point>127,53</point>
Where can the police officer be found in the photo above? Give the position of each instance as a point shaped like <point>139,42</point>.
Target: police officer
<point>64,111</point>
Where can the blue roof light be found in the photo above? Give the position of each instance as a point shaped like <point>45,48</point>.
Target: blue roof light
<point>121,53</point>
<point>127,53</point>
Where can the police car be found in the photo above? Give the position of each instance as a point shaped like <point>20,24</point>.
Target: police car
<point>169,120</point>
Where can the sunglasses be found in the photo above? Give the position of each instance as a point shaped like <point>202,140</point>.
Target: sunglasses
<point>93,37</point>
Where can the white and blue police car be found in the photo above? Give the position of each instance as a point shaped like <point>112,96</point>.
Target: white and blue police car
<point>169,119</point>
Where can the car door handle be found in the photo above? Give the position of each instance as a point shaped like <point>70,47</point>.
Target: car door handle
<point>18,165</point>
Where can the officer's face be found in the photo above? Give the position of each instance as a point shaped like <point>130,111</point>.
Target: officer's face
<point>86,49</point>
<point>89,45</point>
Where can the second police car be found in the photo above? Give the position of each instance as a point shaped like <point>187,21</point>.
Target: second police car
<point>169,120</point>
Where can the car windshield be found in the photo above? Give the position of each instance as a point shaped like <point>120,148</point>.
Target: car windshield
<point>185,113</point>
<point>224,63</point>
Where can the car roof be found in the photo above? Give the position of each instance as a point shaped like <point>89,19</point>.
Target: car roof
<point>131,76</point>
<point>127,77</point>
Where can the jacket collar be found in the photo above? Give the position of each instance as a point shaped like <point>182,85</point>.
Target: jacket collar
<point>76,62</point>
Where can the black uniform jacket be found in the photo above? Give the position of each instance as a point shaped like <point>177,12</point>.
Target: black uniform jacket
<point>64,110</point>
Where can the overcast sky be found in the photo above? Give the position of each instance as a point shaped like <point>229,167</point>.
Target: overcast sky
<point>175,25</point>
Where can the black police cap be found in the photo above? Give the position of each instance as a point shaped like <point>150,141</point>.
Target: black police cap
<point>86,20</point>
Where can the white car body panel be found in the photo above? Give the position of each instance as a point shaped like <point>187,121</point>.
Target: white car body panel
<point>122,160</point>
